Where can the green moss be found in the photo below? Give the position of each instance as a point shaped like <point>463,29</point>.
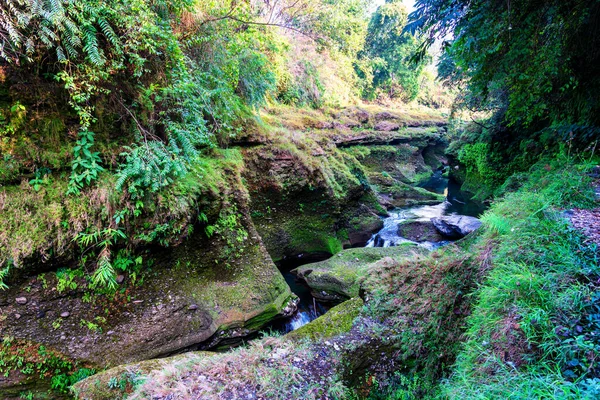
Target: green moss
<point>341,273</point>
<point>336,321</point>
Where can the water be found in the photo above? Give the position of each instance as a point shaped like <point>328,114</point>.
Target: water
<point>388,235</point>
<point>308,308</point>
<point>456,202</point>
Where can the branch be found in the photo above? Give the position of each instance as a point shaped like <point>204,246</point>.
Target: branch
<point>271,24</point>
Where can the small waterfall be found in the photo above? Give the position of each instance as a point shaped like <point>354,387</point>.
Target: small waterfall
<point>300,319</point>
<point>388,235</point>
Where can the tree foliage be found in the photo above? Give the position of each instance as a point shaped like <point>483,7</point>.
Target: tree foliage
<point>535,61</point>
<point>388,52</point>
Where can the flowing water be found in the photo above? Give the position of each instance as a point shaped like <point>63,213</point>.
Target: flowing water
<point>456,202</point>
<point>308,307</point>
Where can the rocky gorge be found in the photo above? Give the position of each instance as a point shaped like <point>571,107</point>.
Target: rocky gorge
<point>283,199</point>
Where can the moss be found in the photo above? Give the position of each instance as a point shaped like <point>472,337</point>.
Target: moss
<point>340,275</point>
<point>336,321</point>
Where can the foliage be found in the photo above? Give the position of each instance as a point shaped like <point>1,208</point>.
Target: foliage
<point>104,275</point>
<point>387,54</point>
<point>533,331</point>
<point>525,70</point>
<point>33,359</point>
<point>62,382</point>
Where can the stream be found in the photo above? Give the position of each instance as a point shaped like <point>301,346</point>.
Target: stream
<point>457,202</point>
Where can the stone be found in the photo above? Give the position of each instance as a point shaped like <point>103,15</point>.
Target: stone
<point>362,225</point>
<point>120,279</point>
<point>193,307</point>
<point>456,226</point>
<point>21,300</point>
<point>419,231</point>
<point>65,314</point>
<point>337,278</point>
<point>386,126</point>
<point>17,316</point>
<point>385,115</point>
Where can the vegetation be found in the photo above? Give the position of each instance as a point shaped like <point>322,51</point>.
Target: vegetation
<point>388,52</point>
<point>157,157</point>
<point>525,71</point>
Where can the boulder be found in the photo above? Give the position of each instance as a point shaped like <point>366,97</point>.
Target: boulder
<point>456,226</point>
<point>337,278</point>
<point>362,225</point>
<point>419,231</point>
<point>336,321</point>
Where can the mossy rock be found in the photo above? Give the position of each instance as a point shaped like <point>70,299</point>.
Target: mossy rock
<point>362,225</point>
<point>338,277</point>
<point>338,320</point>
<point>194,296</point>
<point>116,383</point>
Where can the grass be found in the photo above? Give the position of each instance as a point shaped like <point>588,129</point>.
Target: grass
<point>534,331</point>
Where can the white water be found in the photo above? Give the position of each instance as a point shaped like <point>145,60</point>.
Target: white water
<point>300,319</point>
<point>388,235</point>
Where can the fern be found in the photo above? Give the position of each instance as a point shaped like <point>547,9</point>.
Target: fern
<point>104,275</point>
<point>3,275</point>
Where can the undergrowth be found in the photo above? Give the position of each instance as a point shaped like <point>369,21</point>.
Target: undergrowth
<point>534,331</point>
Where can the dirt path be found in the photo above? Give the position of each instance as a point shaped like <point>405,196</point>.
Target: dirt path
<point>588,221</point>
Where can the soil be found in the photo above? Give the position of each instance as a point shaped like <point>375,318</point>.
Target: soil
<point>588,221</point>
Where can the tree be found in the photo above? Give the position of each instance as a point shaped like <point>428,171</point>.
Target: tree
<point>536,62</point>
<point>389,50</point>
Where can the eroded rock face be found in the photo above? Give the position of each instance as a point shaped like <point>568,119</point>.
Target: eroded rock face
<point>386,126</point>
<point>456,226</point>
<point>192,294</point>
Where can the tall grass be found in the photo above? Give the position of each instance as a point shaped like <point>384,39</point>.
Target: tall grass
<point>534,331</point>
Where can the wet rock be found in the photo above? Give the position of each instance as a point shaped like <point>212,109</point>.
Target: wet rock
<point>419,231</point>
<point>21,300</point>
<point>456,226</point>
